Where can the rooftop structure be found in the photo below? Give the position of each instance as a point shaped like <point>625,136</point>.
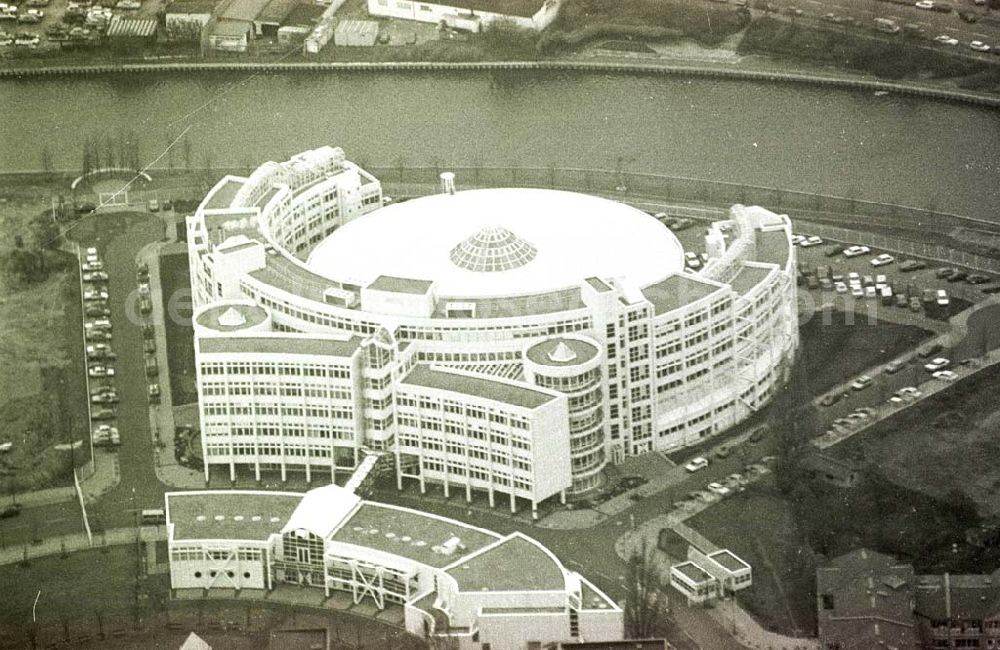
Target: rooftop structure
<point>248,515</point>
<point>562,351</point>
<point>490,569</point>
<point>501,242</point>
<point>411,534</point>
<point>478,386</point>
<point>230,317</point>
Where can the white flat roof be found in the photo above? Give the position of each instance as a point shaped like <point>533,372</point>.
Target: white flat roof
<point>574,237</point>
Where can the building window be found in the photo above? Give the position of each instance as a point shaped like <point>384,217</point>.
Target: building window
<point>827,601</point>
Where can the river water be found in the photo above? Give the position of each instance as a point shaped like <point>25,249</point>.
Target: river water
<point>850,143</point>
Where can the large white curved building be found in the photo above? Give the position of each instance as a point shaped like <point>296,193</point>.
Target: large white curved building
<point>509,341</point>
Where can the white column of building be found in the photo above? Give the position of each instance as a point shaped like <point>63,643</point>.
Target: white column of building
<point>229,438</point>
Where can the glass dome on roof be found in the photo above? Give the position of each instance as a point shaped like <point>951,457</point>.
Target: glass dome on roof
<point>494,248</point>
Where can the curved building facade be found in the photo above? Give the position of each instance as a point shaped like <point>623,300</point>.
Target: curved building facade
<point>459,586</point>
<point>509,341</point>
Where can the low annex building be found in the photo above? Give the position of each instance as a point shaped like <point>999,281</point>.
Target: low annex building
<point>513,342</point>
<point>482,589</point>
<point>707,576</point>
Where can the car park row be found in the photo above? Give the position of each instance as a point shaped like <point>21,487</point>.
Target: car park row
<point>940,371</point>
<point>97,334</point>
<point>878,286</point>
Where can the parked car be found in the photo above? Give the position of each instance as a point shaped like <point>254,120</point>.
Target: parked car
<point>942,298</point>
<point>894,366</point>
<point>855,251</point>
<point>10,510</point>
<point>978,46</point>
<point>97,335</point>
<point>100,371</point>
<point>95,276</point>
<point>103,414</point>
<point>98,323</point>
<point>939,363</point>
<point>142,272</point>
<point>149,345</point>
<point>811,241</point>
<point>946,40</point>
<point>93,310</point>
<point>862,382</point>
<point>945,272</point>
<point>95,294</point>
<point>696,464</point>
<point>945,375</point>
<point>958,276</point>
<point>834,251</point>
<point>104,398</point>
<point>719,488</point>
<point>882,260</point>
<point>912,265</point>
<point>93,266</point>
<point>915,304</point>
<point>993,288</point>
<point>830,399</point>
<point>977,278</point>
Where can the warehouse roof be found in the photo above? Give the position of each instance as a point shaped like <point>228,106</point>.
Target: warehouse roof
<point>522,8</point>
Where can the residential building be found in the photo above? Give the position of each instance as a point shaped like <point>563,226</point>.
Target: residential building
<point>865,600</point>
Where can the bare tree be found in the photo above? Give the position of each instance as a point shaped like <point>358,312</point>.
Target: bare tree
<point>47,166</point>
<point>646,602</point>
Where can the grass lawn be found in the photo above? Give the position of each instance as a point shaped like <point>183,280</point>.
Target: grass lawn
<point>180,334</point>
<point>761,529</point>
<point>87,593</point>
<point>43,395</point>
<point>950,441</point>
<point>835,351</point>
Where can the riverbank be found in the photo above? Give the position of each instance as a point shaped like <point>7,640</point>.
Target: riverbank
<point>699,70</point>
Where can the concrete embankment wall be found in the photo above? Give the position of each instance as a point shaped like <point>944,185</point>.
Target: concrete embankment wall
<point>559,66</point>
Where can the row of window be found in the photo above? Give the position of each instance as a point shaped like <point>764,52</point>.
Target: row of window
<point>280,369</point>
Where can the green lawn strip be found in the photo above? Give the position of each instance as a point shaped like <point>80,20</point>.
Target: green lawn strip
<point>179,332</point>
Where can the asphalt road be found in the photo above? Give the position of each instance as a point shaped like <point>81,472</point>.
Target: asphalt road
<point>987,29</point>
<point>138,488</point>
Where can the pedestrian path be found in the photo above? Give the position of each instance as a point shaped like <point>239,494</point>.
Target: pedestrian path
<point>64,544</point>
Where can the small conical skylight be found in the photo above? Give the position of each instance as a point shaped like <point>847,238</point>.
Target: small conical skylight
<point>232,318</point>
<point>561,353</point>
